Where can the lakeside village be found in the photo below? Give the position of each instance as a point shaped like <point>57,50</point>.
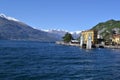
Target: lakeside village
<point>90,39</point>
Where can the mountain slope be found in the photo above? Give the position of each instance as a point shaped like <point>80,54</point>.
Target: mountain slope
<point>57,33</point>
<point>106,29</point>
<point>60,33</point>
<point>12,29</point>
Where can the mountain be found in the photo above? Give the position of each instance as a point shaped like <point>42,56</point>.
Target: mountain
<point>8,17</point>
<point>76,34</point>
<point>13,29</point>
<point>57,33</point>
<point>60,33</point>
<point>107,29</point>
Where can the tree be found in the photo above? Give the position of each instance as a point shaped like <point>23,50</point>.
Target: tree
<point>68,37</point>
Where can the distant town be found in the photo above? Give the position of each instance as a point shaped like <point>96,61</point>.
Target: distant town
<point>90,39</point>
<point>105,37</point>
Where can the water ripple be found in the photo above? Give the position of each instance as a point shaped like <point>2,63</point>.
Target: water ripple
<point>22,60</point>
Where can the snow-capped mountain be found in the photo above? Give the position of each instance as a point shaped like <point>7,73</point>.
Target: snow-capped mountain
<point>60,33</point>
<point>56,31</point>
<point>75,34</point>
<point>8,17</point>
<point>12,29</point>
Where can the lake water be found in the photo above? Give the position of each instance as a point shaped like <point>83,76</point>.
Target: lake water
<point>28,60</point>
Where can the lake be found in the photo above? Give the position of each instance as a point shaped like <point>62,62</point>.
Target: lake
<point>33,60</point>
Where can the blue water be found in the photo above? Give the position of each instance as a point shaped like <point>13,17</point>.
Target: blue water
<point>29,60</point>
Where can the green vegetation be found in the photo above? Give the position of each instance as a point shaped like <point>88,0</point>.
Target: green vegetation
<point>109,25</point>
<point>108,28</point>
<point>68,37</point>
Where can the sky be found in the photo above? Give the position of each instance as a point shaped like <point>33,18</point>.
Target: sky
<point>70,15</point>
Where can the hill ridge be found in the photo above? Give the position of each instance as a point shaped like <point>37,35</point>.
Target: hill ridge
<point>108,28</point>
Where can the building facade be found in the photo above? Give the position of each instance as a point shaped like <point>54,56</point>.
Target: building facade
<point>116,38</point>
<point>89,34</point>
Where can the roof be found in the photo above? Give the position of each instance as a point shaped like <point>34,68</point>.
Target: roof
<point>116,36</point>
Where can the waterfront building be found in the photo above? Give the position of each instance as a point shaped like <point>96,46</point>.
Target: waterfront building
<point>116,38</point>
<point>89,33</point>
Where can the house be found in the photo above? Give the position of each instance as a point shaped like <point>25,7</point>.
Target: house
<point>89,33</point>
<point>116,38</point>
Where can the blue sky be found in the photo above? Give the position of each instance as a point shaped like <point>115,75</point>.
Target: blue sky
<point>71,15</point>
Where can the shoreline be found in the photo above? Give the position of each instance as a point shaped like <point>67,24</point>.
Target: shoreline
<point>78,45</point>
<point>113,47</point>
<point>67,44</point>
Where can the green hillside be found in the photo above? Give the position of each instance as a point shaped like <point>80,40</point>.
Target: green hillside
<point>107,29</point>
